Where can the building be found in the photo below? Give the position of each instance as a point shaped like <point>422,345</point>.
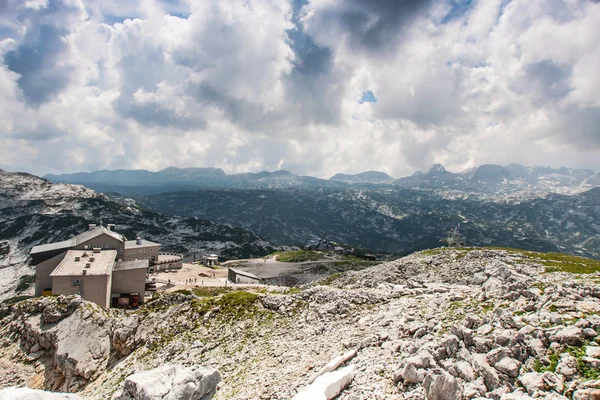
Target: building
<point>100,265</point>
<point>210,259</point>
<point>240,276</point>
<point>319,245</point>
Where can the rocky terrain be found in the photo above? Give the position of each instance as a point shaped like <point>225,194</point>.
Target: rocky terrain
<point>398,221</point>
<point>34,211</point>
<point>440,324</point>
<point>535,208</point>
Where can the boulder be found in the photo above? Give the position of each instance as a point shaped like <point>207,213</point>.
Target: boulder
<point>570,335</point>
<point>592,351</point>
<point>532,382</point>
<point>335,363</point>
<point>13,393</point>
<point>171,382</point>
<point>508,366</point>
<point>489,374</point>
<point>411,375</point>
<point>328,385</point>
<point>442,387</point>
<point>567,366</point>
<point>586,394</point>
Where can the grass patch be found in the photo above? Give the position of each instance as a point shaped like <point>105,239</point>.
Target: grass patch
<point>211,291</point>
<point>298,255</point>
<point>586,372</point>
<point>553,262</point>
<point>237,304</point>
<point>559,262</point>
<point>553,357</point>
<point>24,282</point>
<point>15,299</point>
<point>330,279</point>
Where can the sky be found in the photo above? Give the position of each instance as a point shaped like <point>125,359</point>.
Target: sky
<point>315,87</point>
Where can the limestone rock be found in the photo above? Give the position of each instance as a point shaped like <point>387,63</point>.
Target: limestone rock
<point>171,382</point>
<point>508,366</point>
<point>570,335</point>
<point>327,386</point>
<point>13,393</point>
<point>442,387</point>
<point>532,382</point>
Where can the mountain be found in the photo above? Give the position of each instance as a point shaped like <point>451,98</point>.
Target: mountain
<point>488,178</point>
<point>396,220</point>
<point>34,211</point>
<point>498,181</point>
<point>442,324</point>
<point>141,182</point>
<point>375,177</point>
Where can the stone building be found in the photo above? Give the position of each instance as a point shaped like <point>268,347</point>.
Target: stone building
<point>101,265</point>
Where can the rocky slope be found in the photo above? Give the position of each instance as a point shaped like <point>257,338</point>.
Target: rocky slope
<point>35,211</point>
<point>439,324</point>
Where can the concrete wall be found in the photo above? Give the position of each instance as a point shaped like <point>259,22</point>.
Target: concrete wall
<point>94,288</point>
<point>238,278</point>
<point>140,254</point>
<point>43,271</point>
<point>130,281</point>
<point>103,241</point>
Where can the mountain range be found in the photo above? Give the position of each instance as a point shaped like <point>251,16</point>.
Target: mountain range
<point>34,211</point>
<point>397,220</point>
<point>487,178</point>
<point>535,208</point>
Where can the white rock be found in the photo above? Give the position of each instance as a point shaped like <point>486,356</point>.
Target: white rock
<point>532,382</point>
<point>328,385</point>
<point>334,364</point>
<point>508,366</point>
<point>171,382</point>
<point>592,351</point>
<point>13,393</point>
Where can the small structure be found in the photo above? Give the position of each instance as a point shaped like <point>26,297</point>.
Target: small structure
<point>210,259</point>
<point>319,245</point>
<point>239,276</point>
<point>454,238</point>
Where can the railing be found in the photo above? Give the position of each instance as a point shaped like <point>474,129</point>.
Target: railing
<point>176,257</point>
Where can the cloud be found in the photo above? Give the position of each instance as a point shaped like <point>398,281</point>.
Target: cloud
<point>312,86</point>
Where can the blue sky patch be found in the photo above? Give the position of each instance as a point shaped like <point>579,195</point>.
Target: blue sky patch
<point>367,97</point>
<point>457,10</point>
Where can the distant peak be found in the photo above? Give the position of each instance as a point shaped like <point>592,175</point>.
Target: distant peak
<point>437,168</point>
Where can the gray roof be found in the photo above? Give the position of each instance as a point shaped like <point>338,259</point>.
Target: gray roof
<point>132,244</point>
<point>65,244</point>
<point>127,265</point>
<point>102,264</point>
<point>244,273</point>
<point>74,241</point>
<point>97,231</point>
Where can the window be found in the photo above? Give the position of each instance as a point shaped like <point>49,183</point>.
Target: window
<point>76,282</point>
<point>133,252</point>
<point>106,246</point>
<point>145,250</point>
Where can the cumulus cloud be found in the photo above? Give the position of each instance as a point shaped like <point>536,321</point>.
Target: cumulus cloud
<point>312,86</point>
